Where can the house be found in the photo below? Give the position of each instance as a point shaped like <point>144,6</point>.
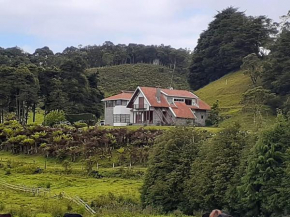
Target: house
<point>116,111</point>
<point>155,106</point>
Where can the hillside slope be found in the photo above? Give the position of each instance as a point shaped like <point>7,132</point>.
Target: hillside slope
<point>229,90</point>
<point>113,79</point>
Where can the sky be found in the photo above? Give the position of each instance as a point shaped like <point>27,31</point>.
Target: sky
<point>32,24</point>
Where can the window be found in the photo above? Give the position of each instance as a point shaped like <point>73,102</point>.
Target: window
<point>188,102</point>
<point>110,103</point>
<point>121,118</point>
<point>170,100</point>
<point>178,100</point>
<point>124,102</point>
<point>119,102</point>
<point>202,117</point>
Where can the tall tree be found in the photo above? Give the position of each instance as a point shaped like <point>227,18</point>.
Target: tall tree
<point>229,38</point>
<point>265,187</point>
<point>169,167</point>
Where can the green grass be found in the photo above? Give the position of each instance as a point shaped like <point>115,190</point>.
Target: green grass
<point>75,184</point>
<point>39,117</point>
<point>229,91</point>
<point>113,79</point>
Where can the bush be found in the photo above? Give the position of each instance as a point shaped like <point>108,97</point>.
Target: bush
<point>54,117</point>
<point>80,125</point>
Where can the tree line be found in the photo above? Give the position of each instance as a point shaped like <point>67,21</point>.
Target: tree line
<point>246,174</point>
<point>107,54</point>
<point>23,88</point>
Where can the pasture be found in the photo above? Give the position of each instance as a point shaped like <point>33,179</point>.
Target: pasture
<point>112,195</point>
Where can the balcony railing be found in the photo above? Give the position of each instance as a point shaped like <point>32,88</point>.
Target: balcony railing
<point>140,107</point>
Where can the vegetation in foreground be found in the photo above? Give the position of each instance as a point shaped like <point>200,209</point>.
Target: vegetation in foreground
<point>244,173</point>
<point>117,193</point>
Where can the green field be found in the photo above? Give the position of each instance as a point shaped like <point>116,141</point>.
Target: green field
<point>113,196</point>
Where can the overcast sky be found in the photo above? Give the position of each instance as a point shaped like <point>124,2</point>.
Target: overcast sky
<point>32,24</point>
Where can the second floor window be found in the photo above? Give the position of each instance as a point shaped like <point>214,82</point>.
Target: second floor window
<point>119,102</point>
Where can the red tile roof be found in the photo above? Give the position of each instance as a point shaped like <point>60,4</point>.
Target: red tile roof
<point>180,109</point>
<point>183,111</point>
<point>179,93</point>
<point>201,105</point>
<point>123,95</point>
<point>150,94</point>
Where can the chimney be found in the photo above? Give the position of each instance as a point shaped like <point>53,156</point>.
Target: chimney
<point>158,94</point>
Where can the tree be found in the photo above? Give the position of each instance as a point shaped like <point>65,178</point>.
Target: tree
<point>214,115</point>
<point>169,168</point>
<point>229,38</point>
<point>255,99</point>
<point>276,74</point>
<point>253,67</point>
<point>265,187</point>
<point>214,168</point>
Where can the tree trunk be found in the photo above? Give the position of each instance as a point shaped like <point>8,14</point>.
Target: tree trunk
<point>33,110</point>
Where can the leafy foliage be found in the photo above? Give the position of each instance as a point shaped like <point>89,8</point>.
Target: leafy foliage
<point>276,72</point>
<point>214,117</point>
<point>265,187</point>
<point>169,168</point>
<point>229,38</point>
<point>253,67</point>
<point>54,117</point>
<point>72,143</point>
<point>214,168</point>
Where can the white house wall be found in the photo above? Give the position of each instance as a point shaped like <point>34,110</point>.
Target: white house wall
<point>121,110</point>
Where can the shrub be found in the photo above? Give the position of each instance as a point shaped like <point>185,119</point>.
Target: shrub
<point>80,125</point>
<point>54,117</point>
<point>67,166</point>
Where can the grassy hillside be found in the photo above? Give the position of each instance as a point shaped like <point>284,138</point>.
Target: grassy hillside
<point>113,79</point>
<point>229,90</point>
